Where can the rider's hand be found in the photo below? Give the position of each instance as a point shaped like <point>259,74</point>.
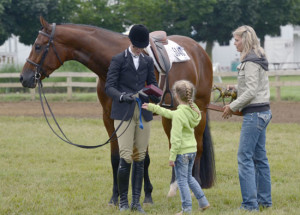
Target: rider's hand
<point>127,98</point>
<point>231,87</point>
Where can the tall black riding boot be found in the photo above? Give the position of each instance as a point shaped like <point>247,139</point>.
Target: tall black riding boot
<point>123,182</point>
<point>136,182</point>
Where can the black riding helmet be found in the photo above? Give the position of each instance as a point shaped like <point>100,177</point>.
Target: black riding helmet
<point>139,36</point>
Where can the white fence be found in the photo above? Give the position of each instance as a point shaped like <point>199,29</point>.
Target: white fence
<point>69,83</point>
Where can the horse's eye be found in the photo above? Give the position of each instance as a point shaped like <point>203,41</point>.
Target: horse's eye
<point>38,47</point>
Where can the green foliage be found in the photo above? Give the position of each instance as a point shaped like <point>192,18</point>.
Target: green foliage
<point>21,18</point>
<point>204,20</point>
<point>99,13</point>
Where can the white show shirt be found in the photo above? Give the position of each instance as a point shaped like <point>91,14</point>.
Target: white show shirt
<point>135,58</point>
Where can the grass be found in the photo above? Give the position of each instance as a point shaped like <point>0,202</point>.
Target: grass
<point>40,174</point>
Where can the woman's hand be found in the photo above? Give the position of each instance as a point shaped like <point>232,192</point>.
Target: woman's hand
<point>230,87</point>
<point>227,112</point>
<point>145,106</point>
<point>171,163</point>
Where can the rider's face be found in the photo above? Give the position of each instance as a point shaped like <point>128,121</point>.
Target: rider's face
<point>136,50</point>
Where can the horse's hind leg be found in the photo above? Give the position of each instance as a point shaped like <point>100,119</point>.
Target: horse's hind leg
<point>147,184</point>
<point>173,185</point>
<point>199,130</point>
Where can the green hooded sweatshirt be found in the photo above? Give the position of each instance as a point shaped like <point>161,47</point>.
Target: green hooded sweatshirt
<point>184,120</point>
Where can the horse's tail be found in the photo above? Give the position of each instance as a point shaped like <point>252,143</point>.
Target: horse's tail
<point>207,162</point>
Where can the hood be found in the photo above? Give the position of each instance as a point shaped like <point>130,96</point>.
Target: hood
<point>191,115</point>
<point>256,59</point>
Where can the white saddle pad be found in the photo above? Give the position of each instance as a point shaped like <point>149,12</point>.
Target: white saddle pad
<point>175,52</point>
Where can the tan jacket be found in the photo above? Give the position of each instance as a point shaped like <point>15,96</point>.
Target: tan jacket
<point>253,86</point>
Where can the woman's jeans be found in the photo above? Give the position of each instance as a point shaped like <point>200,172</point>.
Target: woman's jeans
<point>253,165</point>
<point>183,172</point>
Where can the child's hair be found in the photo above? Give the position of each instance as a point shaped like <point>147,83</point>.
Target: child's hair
<point>185,91</point>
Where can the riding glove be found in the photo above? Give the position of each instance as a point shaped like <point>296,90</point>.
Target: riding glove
<point>127,98</point>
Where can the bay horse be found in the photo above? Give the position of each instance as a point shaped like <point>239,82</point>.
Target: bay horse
<point>94,47</point>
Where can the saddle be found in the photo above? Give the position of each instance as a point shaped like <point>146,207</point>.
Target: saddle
<point>157,41</point>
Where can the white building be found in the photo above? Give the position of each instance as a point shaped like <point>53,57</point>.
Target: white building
<point>13,52</point>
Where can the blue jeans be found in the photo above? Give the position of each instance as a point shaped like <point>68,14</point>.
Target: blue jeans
<point>183,172</point>
<point>253,165</point>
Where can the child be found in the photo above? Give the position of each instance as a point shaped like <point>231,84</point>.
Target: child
<point>183,143</point>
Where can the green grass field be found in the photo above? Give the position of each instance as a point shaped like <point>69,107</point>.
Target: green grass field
<point>40,174</point>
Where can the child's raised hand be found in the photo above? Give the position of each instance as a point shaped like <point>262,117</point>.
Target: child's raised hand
<point>171,163</point>
<point>145,106</point>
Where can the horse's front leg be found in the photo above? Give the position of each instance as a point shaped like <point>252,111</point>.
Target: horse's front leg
<point>115,158</point>
<point>147,184</point>
<point>114,147</point>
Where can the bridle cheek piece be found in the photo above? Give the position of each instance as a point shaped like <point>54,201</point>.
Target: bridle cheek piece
<point>38,66</point>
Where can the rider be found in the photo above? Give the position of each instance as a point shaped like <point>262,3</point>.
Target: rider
<point>128,72</point>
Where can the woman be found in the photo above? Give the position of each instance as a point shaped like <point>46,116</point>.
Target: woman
<point>253,101</point>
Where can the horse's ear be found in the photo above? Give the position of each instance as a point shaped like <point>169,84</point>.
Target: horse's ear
<point>45,24</point>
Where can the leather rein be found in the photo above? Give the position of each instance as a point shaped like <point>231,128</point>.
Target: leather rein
<point>37,76</point>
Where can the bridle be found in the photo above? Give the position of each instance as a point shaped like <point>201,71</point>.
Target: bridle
<point>38,66</point>
<point>37,76</point>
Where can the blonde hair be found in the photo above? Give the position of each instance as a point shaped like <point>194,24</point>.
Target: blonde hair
<point>249,41</point>
<point>185,91</point>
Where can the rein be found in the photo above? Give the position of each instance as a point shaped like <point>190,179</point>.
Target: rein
<point>64,138</point>
<point>37,76</point>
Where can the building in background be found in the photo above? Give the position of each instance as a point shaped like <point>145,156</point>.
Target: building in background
<point>12,52</point>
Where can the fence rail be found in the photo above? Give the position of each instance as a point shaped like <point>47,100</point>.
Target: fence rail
<point>69,83</point>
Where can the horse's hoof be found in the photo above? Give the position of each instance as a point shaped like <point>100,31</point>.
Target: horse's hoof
<point>148,200</point>
<point>173,189</point>
<point>113,202</point>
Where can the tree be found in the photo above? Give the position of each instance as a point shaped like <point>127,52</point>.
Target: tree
<point>272,14</point>
<point>99,13</point>
<point>21,17</point>
<point>148,13</point>
<point>4,34</point>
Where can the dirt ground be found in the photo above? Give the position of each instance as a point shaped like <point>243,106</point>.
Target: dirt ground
<point>283,112</point>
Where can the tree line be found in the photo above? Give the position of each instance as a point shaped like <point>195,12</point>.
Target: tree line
<point>203,20</point>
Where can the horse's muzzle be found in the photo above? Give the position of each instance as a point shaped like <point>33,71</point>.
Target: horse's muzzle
<point>28,80</point>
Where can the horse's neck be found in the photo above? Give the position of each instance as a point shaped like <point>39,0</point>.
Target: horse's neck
<point>93,47</point>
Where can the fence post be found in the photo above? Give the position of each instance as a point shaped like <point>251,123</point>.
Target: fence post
<point>69,88</point>
<point>278,96</point>
<point>32,93</point>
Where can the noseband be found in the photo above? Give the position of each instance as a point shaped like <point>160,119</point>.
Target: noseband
<point>38,66</point>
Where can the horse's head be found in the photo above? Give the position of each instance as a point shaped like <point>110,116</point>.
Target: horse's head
<point>44,57</point>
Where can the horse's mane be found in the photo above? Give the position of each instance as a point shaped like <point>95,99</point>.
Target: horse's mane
<point>90,26</point>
